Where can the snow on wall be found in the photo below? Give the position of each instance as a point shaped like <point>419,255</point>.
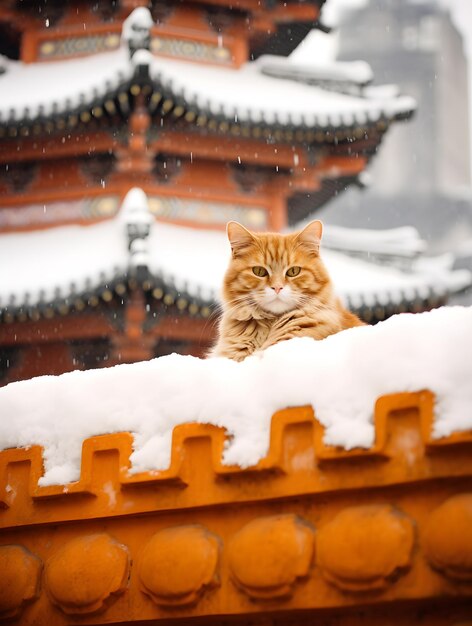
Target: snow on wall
<point>341,377</point>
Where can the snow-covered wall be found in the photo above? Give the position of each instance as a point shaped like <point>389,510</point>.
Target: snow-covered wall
<point>341,377</point>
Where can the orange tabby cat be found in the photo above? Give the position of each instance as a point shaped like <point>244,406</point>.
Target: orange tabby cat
<point>276,288</point>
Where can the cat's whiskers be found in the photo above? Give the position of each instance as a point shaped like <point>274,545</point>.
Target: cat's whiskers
<point>238,304</point>
<point>243,299</point>
<point>212,320</point>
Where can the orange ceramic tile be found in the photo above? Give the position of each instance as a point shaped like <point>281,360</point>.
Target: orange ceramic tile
<point>310,534</point>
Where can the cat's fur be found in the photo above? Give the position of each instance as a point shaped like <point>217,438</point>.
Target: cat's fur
<point>259,311</point>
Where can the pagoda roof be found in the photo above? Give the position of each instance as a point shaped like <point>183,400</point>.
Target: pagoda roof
<point>67,267</point>
<point>270,91</point>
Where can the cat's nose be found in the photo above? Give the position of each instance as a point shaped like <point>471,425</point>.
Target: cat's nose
<point>277,289</point>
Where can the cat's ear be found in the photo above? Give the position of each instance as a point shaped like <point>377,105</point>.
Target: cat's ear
<point>239,237</point>
<point>310,236</point>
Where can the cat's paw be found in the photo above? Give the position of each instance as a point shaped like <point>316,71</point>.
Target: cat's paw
<point>297,314</point>
<point>285,321</point>
<point>274,339</point>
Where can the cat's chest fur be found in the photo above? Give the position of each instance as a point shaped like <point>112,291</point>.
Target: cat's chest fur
<point>249,333</point>
<point>244,337</point>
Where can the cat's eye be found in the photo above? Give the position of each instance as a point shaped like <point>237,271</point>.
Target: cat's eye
<point>260,271</point>
<point>293,271</point>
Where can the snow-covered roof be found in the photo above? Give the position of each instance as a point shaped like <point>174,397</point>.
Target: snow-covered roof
<point>37,91</point>
<point>405,353</point>
<point>59,264</point>
<point>403,243</point>
<point>249,95</point>
<point>358,73</point>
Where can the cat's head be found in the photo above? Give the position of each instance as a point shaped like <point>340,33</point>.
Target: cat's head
<point>270,274</point>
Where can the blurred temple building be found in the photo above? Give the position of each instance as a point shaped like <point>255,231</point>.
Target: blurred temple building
<point>131,132</point>
<point>422,176</point>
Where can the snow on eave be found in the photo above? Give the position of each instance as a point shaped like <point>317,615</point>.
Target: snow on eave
<point>69,261</point>
<point>350,72</point>
<point>32,90</point>
<point>404,241</point>
<point>60,262</point>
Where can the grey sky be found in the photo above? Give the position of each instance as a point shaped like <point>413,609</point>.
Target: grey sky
<point>461,11</point>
